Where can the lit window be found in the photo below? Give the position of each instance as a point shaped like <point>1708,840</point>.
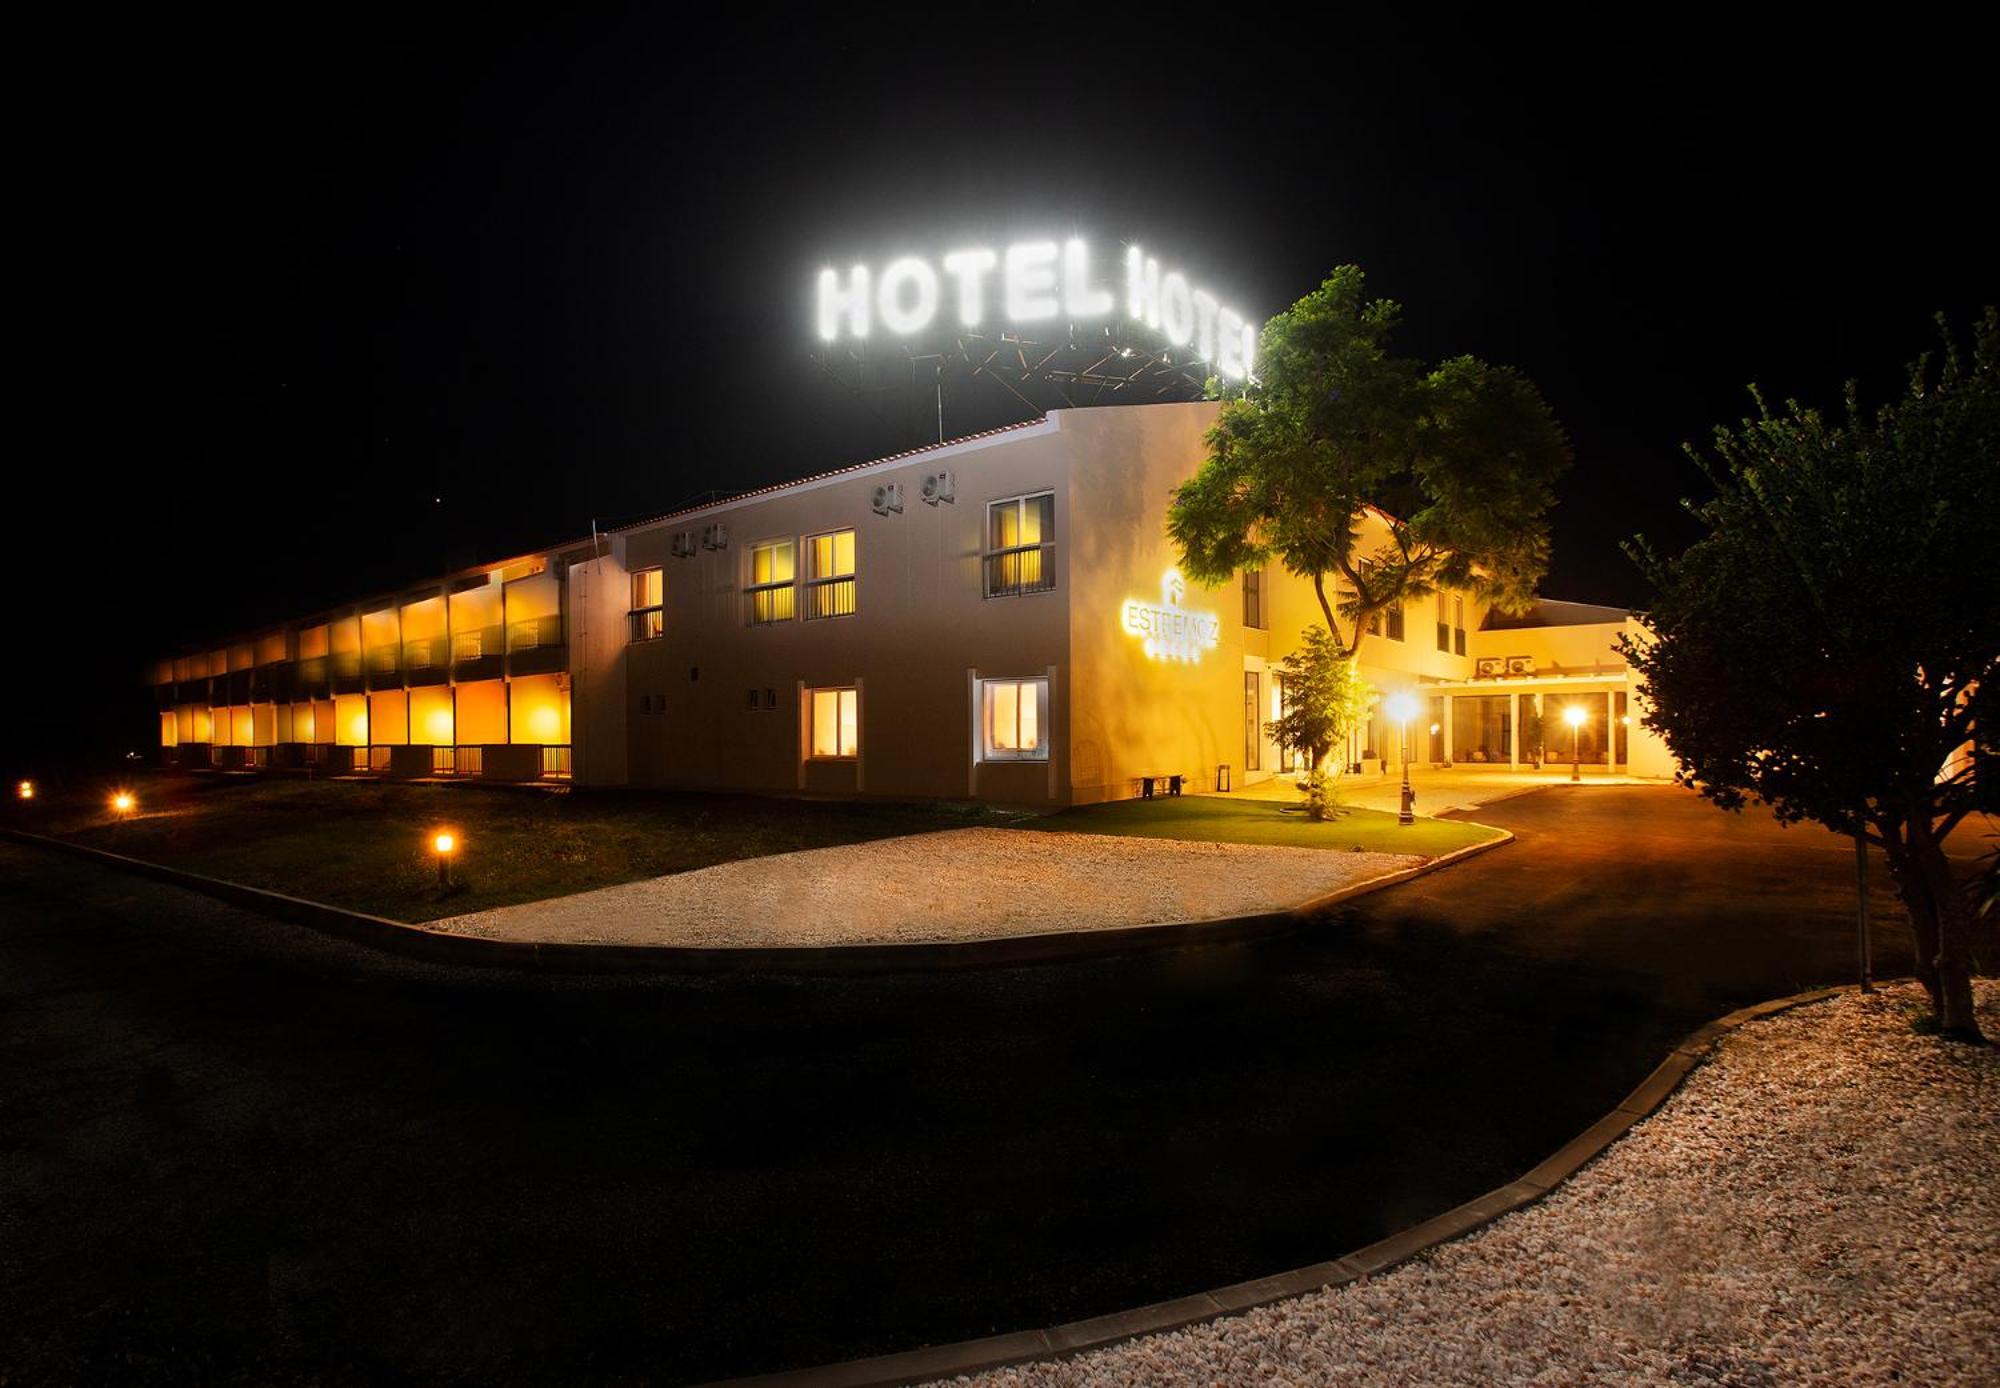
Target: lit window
<point>1458,624</point>
<point>836,722</point>
<point>468,645</point>
<point>770,588</point>
<point>1444,623</point>
<point>830,574</point>
<point>1395,616</point>
<point>1014,720</point>
<point>1020,545</point>
<point>1253,597</point>
<point>649,598</point>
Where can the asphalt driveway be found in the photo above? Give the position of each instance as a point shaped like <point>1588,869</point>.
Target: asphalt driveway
<point>231,1150</point>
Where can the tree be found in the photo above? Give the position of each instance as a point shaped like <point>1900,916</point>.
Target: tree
<point>1828,646</point>
<point>1325,698</point>
<point>1460,457</point>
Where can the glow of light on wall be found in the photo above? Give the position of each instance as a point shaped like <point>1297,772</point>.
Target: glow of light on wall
<point>438,724</point>
<point>545,723</point>
<point>1168,630</point>
<point>1032,282</point>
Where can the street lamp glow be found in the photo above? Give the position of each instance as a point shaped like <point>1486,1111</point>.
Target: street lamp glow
<point>1401,707</point>
<point>26,790</point>
<point>444,843</point>
<point>123,802</point>
<point>1575,716</point>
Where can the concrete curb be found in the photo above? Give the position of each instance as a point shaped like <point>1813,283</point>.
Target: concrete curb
<point>998,1351</point>
<point>446,947</point>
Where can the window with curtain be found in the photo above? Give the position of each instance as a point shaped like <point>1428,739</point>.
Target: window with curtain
<point>830,574</point>
<point>836,723</point>
<point>1253,598</point>
<point>649,597</point>
<point>771,576</point>
<point>1020,545</point>
<point>1014,720</point>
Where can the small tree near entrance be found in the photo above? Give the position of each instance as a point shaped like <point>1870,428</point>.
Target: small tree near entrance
<point>1460,460</point>
<point>1830,646</point>
<point>1325,699</point>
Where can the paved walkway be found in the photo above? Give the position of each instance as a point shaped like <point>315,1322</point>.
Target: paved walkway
<point>960,884</point>
<point>1438,791</point>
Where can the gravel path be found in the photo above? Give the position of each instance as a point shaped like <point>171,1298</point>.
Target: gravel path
<point>957,884</point>
<point>1819,1204</point>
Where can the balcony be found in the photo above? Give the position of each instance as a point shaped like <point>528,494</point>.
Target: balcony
<point>346,672</point>
<point>312,678</point>
<point>479,653</point>
<point>385,668</point>
<point>535,646</point>
<point>427,661</point>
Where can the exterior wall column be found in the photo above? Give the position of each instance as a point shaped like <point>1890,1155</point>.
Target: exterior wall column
<point>1610,730</point>
<point>1449,699</point>
<point>1514,730</point>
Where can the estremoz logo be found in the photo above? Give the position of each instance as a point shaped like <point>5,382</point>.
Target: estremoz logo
<point>1033,282</point>
<point>1169,630</point>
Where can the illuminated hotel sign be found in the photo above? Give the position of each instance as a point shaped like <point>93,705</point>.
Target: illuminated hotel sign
<point>1170,631</point>
<point>1030,283</point>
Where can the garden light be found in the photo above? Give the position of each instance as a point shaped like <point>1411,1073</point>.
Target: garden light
<point>445,844</point>
<point>123,802</point>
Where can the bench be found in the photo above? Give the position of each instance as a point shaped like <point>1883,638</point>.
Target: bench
<point>1167,785</point>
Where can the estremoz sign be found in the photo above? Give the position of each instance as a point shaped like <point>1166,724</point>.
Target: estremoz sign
<point>1033,282</point>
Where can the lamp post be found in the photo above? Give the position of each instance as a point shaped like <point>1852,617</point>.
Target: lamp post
<point>123,803</point>
<point>445,844</point>
<point>1403,708</point>
<point>1574,716</point>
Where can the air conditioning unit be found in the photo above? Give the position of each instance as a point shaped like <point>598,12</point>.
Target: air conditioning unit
<point>939,486</point>
<point>1520,665</point>
<point>888,497</point>
<point>683,546</point>
<point>1489,667</point>
<point>715,536</point>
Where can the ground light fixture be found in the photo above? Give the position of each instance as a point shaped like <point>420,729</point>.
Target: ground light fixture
<point>444,843</point>
<point>1402,708</point>
<point>1575,716</point>
<point>124,802</point>
<point>25,790</point>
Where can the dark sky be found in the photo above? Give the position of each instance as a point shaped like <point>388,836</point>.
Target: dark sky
<point>334,305</point>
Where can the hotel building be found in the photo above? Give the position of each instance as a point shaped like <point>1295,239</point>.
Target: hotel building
<point>998,617</point>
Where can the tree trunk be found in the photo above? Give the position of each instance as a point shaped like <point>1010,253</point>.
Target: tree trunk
<point>1952,935</point>
<point>1911,888</point>
<point>1332,626</point>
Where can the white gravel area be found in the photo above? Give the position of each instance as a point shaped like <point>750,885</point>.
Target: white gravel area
<point>1818,1204</point>
<point>957,884</point>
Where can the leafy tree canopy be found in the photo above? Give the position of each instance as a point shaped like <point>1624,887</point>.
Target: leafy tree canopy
<point>1829,645</point>
<point>1461,457</point>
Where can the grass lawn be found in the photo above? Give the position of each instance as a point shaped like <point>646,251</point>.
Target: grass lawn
<point>1218,819</point>
<point>366,846</point>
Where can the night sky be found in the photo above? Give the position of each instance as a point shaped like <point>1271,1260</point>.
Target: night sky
<point>322,313</point>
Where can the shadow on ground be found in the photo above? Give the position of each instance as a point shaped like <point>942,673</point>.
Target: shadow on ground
<point>234,1151</point>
